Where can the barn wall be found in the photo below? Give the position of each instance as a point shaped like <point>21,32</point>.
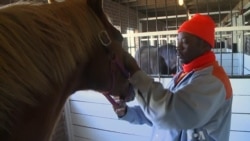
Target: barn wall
<point>93,119</point>
<point>126,17</point>
<point>120,15</point>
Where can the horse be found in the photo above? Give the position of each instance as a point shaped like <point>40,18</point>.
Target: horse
<point>157,60</point>
<point>48,52</point>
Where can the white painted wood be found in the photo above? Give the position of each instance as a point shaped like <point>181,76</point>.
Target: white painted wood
<point>247,61</point>
<point>247,64</point>
<point>240,86</point>
<point>92,109</point>
<point>110,125</point>
<point>229,71</point>
<point>241,104</point>
<point>228,56</point>
<point>95,109</point>
<point>89,96</point>
<point>230,62</point>
<point>239,136</point>
<point>104,135</point>
<point>240,122</point>
<point>164,81</point>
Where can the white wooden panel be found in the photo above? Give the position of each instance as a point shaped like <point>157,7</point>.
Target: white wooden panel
<point>110,125</point>
<point>247,62</point>
<point>246,71</point>
<point>94,97</point>
<point>228,56</point>
<point>240,122</point>
<point>239,136</point>
<point>228,62</point>
<point>218,50</point>
<point>164,81</point>
<point>89,96</point>
<point>241,104</point>
<point>229,71</point>
<point>103,135</point>
<point>240,86</point>
<point>93,109</point>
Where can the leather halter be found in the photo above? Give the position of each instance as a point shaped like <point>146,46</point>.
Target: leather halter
<point>115,63</point>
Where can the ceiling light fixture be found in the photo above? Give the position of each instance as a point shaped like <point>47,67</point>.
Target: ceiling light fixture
<point>181,2</point>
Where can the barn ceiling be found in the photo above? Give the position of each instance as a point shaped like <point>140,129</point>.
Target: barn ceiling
<point>220,10</point>
<point>170,12</point>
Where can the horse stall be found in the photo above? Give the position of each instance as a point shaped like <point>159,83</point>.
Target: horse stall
<point>148,25</point>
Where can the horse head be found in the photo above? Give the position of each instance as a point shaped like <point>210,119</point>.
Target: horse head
<point>106,72</point>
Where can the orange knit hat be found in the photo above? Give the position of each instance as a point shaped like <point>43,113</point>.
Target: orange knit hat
<point>201,26</point>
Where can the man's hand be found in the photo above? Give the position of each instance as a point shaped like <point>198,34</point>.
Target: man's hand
<point>130,63</point>
<point>122,108</point>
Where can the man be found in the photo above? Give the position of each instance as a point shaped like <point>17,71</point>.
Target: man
<point>196,106</point>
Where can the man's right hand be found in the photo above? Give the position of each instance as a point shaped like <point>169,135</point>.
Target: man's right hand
<point>121,109</point>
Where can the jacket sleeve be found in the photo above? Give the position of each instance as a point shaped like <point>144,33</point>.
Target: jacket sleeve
<point>135,115</point>
<point>190,106</point>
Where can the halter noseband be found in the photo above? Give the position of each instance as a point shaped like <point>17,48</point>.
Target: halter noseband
<point>106,41</point>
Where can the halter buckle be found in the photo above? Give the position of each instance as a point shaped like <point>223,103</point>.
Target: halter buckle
<point>104,38</point>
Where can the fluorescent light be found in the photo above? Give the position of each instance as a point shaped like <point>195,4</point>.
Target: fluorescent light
<point>180,2</point>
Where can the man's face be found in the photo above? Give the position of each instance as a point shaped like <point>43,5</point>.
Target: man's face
<point>189,47</point>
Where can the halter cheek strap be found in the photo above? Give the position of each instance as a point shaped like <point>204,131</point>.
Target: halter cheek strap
<point>106,41</point>
<point>126,74</point>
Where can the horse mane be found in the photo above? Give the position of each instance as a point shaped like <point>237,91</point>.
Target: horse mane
<point>41,45</point>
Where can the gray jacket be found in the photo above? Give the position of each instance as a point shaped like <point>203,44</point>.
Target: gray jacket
<point>198,108</point>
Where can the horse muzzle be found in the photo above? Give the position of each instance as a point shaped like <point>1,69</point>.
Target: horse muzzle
<point>130,96</point>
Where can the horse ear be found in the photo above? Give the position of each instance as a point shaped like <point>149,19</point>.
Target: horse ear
<point>54,1</point>
<point>96,5</point>
<point>51,1</point>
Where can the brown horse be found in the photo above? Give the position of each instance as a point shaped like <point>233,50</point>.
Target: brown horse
<point>49,51</point>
